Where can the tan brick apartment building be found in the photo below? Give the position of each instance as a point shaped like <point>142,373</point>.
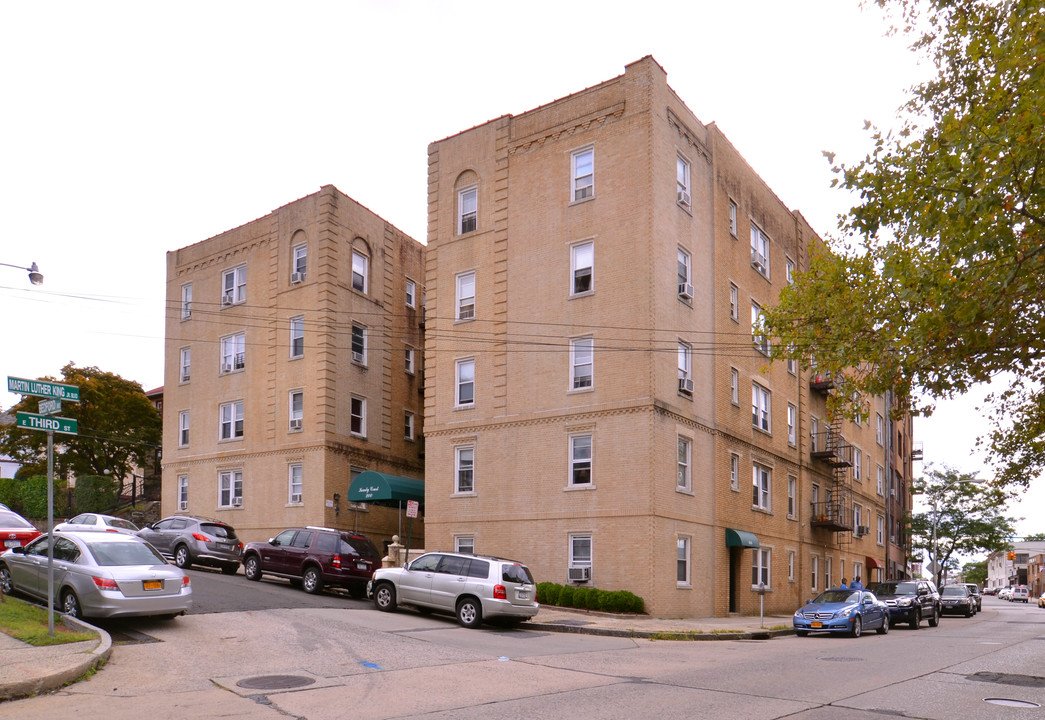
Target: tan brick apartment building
<point>292,363</point>
<point>599,403</point>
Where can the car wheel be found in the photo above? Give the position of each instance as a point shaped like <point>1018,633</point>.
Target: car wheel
<point>252,568</point>
<point>884,630</point>
<point>934,619</point>
<point>182,558</point>
<point>857,627</point>
<point>312,581</point>
<point>229,569</point>
<point>469,613</point>
<point>5,580</point>
<point>969,613</point>
<point>71,604</point>
<point>801,633</point>
<point>916,621</point>
<point>385,597</point>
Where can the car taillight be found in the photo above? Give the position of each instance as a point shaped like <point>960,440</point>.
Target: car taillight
<point>201,538</point>
<point>185,581</point>
<point>336,561</point>
<point>111,530</point>
<point>499,593</point>
<point>105,583</point>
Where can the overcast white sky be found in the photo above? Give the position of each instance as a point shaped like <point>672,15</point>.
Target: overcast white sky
<point>130,129</point>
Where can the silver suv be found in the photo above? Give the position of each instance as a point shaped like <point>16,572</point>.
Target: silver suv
<point>187,539</point>
<point>473,587</point>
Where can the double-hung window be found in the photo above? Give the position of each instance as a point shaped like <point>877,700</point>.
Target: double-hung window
<point>858,459</point>
<point>792,496</point>
<point>685,363</point>
<point>792,424</point>
<point>465,383</point>
<point>760,407</point>
<point>734,386</point>
<point>411,293</point>
<point>298,263</point>
<point>581,363</point>
<point>879,433</point>
<point>581,460</point>
<point>234,285</point>
<point>760,567</point>
<point>231,420</point>
<point>357,416</point>
<point>233,352</point>
<point>684,276</point>
<point>358,344</point>
<point>880,486</point>
<point>816,572</point>
<point>733,218</point>
<point>582,268</point>
<point>759,250</point>
<point>464,469</point>
<point>467,209</point>
<point>230,488</point>
<point>880,527</point>
<point>761,486</point>
<point>682,562</point>
<point>186,365</point>
<point>297,336</point>
<point>789,271</point>
<point>580,550</point>
<point>466,296</point>
<point>294,483</point>
<point>685,450</point>
<point>464,544</point>
<point>682,193</point>
<point>186,301</point>
<point>296,405</point>
<point>183,492</point>
<point>734,303</point>
<point>183,428</point>
<point>759,338</point>
<point>734,472</point>
<point>360,271</point>
<point>408,425</point>
<point>408,360</point>
<point>582,170</point>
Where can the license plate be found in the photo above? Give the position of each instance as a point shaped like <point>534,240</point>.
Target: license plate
<point>224,546</point>
<point>12,543</point>
<point>816,624</point>
<point>153,584</point>
<point>360,566</point>
<point>523,594</point>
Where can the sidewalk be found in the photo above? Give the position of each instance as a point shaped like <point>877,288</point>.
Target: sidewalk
<point>28,670</point>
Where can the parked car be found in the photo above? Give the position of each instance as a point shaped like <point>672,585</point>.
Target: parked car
<point>974,591</point>
<point>989,591</point>
<point>15,530</point>
<point>190,540</point>
<point>842,611</point>
<point>1020,593</point>
<point>956,600</point>
<point>98,575</point>
<point>910,601</point>
<point>473,587</point>
<point>315,557</point>
<point>95,522</point>
<point>1005,593</point>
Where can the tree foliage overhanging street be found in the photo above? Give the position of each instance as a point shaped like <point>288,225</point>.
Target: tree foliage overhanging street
<point>936,282</point>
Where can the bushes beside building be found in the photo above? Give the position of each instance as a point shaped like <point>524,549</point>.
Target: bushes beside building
<point>586,598</point>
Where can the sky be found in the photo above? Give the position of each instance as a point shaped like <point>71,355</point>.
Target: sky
<point>131,129</point>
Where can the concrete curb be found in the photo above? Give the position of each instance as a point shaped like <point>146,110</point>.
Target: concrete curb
<point>65,669</point>
<point>659,634</point>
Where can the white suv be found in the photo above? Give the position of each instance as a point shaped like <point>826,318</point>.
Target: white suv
<point>473,587</point>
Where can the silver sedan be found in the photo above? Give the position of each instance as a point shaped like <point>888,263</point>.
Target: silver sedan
<point>98,574</point>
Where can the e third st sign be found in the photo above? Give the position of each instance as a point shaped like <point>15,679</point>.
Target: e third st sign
<point>33,421</point>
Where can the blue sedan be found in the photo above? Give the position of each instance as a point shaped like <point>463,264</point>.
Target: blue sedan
<point>842,611</point>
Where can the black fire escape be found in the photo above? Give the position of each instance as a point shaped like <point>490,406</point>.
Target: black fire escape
<point>833,512</point>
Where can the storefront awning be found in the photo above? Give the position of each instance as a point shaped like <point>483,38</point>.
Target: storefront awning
<point>872,563</point>
<point>739,538</point>
<point>381,489</point>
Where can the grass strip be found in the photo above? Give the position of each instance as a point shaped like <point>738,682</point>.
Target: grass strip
<point>28,623</point>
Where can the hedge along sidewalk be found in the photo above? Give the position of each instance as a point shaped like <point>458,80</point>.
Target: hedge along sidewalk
<point>586,598</point>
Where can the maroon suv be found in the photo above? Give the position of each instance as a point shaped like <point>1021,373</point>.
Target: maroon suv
<point>314,557</point>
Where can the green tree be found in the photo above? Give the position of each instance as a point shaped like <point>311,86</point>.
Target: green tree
<point>976,572</point>
<point>1035,537</point>
<point>118,429</point>
<point>96,493</point>
<point>934,284</point>
<point>963,517</point>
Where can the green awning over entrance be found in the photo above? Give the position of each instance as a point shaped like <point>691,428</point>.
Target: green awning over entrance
<point>739,538</point>
<point>381,489</point>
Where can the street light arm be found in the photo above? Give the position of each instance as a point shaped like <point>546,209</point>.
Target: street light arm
<point>35,276</point>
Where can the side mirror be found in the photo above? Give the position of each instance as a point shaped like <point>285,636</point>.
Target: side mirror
<point>272,541</point>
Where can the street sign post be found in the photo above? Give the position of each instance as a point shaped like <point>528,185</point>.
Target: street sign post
<point>43,388</point>
<point>32,421</point>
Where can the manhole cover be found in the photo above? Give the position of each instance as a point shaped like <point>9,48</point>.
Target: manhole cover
<point>1011,703</point>
<point>275,682</point>
<point>841,659</point>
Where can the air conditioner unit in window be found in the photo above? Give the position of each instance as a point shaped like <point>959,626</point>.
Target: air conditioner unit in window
<point>686,385</point>
<point>183,505</point>
<point>892,538</point>
<point>226,299</point>
<point>892,492</point>
<point>226,367</point>
<point>295,424</point>
<point>683,198</point>
<point>580,574</point>
<point>685,291</point>
<point>236,502</point>
<point>862,530</point>
<point>295,498</point>
<point>357,357</point>
<point>297,277</point>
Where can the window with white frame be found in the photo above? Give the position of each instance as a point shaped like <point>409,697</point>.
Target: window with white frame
<point>734,386</point>
<point>792,424</point>
<point>791,565</point>
<point>761,486</point>
<point>185,365</point>
<point>685,278</point>
<point>580,550</point>
<point>879,434</point>
<point>298,262</point>
<point>828,581</point>
<point>685,451</point>
<point>789,271</point>
<point>682,195</point>
<point>759,250</point>
<point>296,406</point>
<point>734,471</point>
<point>582,172</point>
<point>815,566</point>
<point>858,569</point>
<point>857,517</point>
<point>464,544</point>
<point>408,426</point>
<point>465,296</point>
<point>582,268</point>
<point>183,428</point>
<point>760,566</point>
<point>233,352</point>
<point>183,492</point>
<point>792,496</point>
<point>186,301</point>
<point>357,416</point>
<point>858,459</point>
<point>234,285</point>
<point>759,338</point>
<point>360,271</point>
<point>464,469</point>
<point>409,361</point>
<point>581,363</point>
<point>467,209</point>
<point>792,364</point>
<point>685,363</point>
<point>734,303</point>
<point>881,530</point>
<point>880,483</point>
<point>294,483</point>
<point>814,496</point>
<point>359,344</point>
<point>297,336</point>
<point>411,293</point>
<point>682,561</point>
<point>732,218</point>
<point>465,382</point>
<point>814,433</point>
<point>581,460</point>
<point>230,488</point>
<point>231,420</point>
<point>760,407</point>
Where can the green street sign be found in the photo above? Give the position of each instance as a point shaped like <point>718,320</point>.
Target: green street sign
<point>42,388</point>
<point>49,406</point>
<point>32,421</point>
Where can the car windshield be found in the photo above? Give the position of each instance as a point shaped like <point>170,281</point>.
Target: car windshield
<point>895,588</point>
<point>125,553</point>
<point>838,596</point>
<point>121,523</point>
<point>954,590</point>
<point>218,531</point>
<point>10,520</point>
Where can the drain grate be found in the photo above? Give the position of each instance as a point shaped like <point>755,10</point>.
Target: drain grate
<point>275,682</point>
